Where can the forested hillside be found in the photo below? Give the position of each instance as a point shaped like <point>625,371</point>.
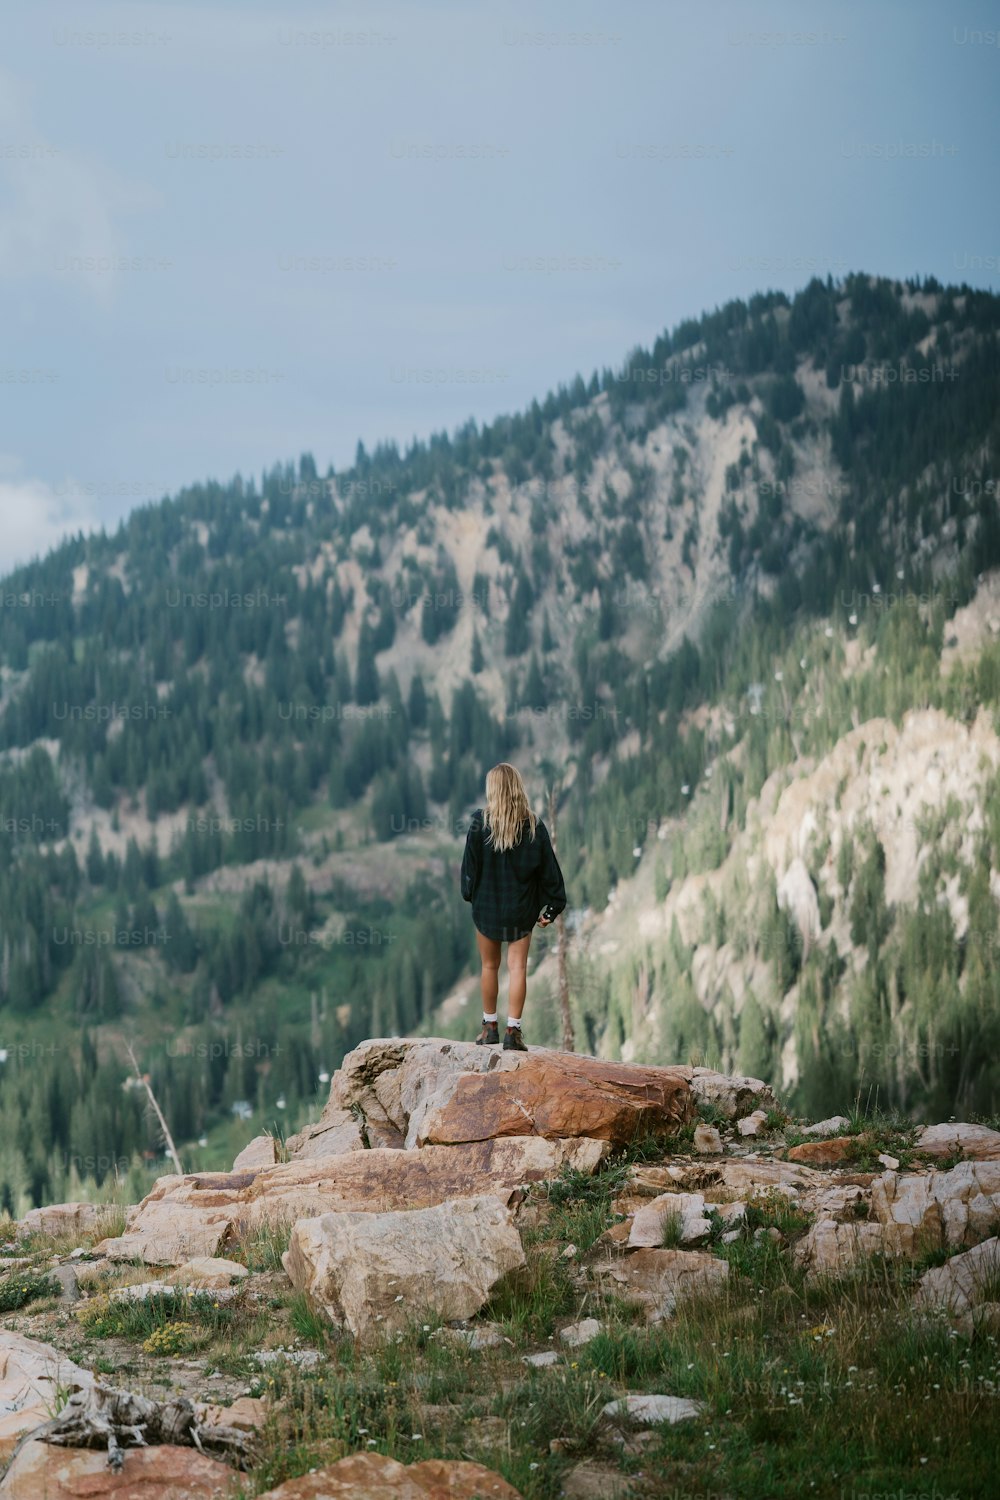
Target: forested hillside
<point>239,739</point>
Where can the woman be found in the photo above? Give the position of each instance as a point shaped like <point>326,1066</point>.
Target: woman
<point>512,877</point>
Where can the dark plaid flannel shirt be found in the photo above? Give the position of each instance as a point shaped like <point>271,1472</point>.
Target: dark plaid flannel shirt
<point>510,888</point>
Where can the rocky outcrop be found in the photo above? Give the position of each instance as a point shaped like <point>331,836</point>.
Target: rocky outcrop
<point>830,1247</point>
<point>411,1092</point>
<point>965,1282</point>
<point>413,1122</point>
<point>260,1152</point>
<point>734,1096</point>
<point>372,1272</point>
<point>194,1215</point>
<point>926,1211</point>
<point>372,1476</point>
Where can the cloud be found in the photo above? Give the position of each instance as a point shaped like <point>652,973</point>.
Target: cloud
<point>60,207</point>
<point>35,516</point>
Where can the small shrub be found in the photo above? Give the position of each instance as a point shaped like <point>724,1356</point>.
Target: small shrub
<point>24,1287</point>
<point>176,1337</point>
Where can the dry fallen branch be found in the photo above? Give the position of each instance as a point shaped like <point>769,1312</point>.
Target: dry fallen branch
<point>102,1416</point>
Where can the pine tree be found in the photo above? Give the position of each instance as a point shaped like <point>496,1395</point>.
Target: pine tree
<point>366,682</point>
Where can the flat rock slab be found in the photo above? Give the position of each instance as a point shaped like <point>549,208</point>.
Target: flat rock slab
<point>185,1217</point>
<point>576,1334</point>
<point>372,1476</point>
<point>375,1272</point>
<point>976,1141</point>
<point>825,1153</point>
<point>649,1411</point>
<point>43,1471</point>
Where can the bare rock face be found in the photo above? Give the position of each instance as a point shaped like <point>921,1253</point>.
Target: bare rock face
<point>164,1472</point>
<point>921,1211</point>
<point>707,1140</point>
<point>337,1132</point>
<point>372,1476</point>
<point>658,1279</point>
<point>797,895</point>
<point>373,1272</point>
<point>185,1217</point>
<point>180,1218</point>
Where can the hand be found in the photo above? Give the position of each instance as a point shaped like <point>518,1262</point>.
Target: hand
<point>545,921</point>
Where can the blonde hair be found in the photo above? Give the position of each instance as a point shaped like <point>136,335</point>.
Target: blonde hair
<point>506,807</point>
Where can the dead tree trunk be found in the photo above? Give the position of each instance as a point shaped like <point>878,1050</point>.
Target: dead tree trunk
<point>568,1041</point>
<point>168,1139</point>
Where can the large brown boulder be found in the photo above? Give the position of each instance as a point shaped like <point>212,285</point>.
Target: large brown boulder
<point>374,1273</point>
<point>559,1096</point>
<point>390,1091</point>
<point>185,1217</point>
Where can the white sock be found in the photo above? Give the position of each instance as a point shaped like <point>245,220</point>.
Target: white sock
<point>513,1024</point>
<point>491,1019</point>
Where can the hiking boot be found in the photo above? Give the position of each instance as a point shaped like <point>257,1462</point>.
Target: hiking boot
<point>490,1035</point>
<point>513,1041</point>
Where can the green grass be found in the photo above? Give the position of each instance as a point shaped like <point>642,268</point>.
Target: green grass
<point>673,1231</point>
<point>103,1318</point>
<point>259,1247</point>
<point>808,1389</point>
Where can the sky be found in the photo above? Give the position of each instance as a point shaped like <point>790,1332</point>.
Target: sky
<point>230,234</point>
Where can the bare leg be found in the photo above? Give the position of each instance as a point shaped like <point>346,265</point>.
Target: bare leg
<point>489,982</point>
<point>517,968</point>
